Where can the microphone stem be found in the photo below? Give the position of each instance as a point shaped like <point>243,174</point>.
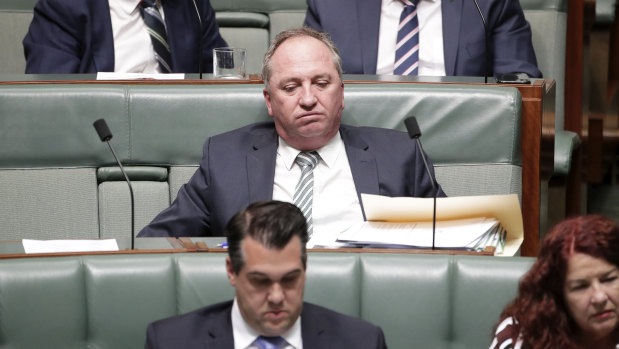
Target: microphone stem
<point>434,191</point>
<point>486,53</point>
<point>130,194</point>
<point>434,217</point>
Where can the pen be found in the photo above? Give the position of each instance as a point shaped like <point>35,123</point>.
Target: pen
<point>223,245</point>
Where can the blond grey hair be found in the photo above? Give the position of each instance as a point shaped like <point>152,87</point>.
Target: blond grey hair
<point>293,33</point>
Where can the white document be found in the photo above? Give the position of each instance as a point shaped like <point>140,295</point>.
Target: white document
<point>138,76</point>
<point>57,246</point>
<point>462,233</point>
<point>505,208</point>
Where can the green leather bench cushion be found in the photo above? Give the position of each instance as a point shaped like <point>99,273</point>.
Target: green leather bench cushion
<point>106,301</point>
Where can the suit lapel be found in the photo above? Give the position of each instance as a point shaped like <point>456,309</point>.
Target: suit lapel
<point>313,332</point>
<point>179,30</point>
<point>220,336</point>
<point>260,163</point>
<point>102,39</point>
<point>362,163</point>
<point>452,15</point>
<point>368,12</point>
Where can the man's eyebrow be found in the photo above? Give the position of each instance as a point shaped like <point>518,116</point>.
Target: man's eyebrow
<point>256,274</point>
<point>261,274</point>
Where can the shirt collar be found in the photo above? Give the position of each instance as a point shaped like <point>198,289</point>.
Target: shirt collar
<point>328,152</point>
<point>244,335</point>
<point>126,6</point>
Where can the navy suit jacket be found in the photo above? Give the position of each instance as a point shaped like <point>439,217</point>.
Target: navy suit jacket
<point>211,327</point>
<point>238,168</point>
<point>353,26</point>
<point>75,36</point>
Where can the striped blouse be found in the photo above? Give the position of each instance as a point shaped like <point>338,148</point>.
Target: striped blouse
<point>503,338</point>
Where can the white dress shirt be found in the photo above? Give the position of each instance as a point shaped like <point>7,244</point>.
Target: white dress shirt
<point>336,206</point>
<point>244,335</point>
<point>133,49</point>
<point>431,56</point>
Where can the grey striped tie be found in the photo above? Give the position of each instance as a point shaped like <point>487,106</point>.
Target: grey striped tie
<point>304,191</point>
<point>157,31</point>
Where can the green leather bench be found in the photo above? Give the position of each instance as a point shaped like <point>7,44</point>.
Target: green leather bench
<point>106,301</point>
<point>57,180</point>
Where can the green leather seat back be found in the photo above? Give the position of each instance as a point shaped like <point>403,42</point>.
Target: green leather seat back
<point>201,280</point>
<point>58,180</point>
<point>335,288</point>
<point>106,301</point>
<point>124,294</point>
<point>43,303</point>
<point>422,312</point>
<point>480,289</point>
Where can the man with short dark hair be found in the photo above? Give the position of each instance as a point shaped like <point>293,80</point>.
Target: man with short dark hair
<point>266,264</point>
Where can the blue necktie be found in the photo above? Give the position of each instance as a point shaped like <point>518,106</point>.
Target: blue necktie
<point>407,46</point>
<point>270,342</point>
<point>157,31</point>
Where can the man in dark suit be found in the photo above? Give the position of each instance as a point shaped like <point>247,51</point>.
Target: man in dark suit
<point>355,26</point>
<point>266,264</point>
<point>77,36</point>
<point>304,94</point>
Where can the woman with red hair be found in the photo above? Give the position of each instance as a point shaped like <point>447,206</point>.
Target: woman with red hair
<point>570,297</point>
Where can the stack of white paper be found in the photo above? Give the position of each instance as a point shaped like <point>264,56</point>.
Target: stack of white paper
<point>467,222</point>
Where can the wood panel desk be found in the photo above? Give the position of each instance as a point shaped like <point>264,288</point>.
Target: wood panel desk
<point>537,129</point>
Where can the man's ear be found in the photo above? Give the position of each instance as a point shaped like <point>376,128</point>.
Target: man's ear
<point>230,272</point>
<point>267,99</point>
<point>342,95</point>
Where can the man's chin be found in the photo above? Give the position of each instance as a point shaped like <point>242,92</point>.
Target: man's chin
<point>272,329</point>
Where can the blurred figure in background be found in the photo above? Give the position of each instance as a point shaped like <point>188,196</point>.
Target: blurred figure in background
<point>442,37</point>
<point>125,36</point>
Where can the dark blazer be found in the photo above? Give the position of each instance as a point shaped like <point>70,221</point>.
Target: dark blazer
<point>353,26</point>
<point>75,36</point>
<point>211,327</point>
<point>238,168</point>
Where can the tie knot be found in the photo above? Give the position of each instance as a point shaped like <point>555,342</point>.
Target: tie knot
<point>305,159</point>
<point>269,342</point>
<point>410,2</point>
<point>147,3</point>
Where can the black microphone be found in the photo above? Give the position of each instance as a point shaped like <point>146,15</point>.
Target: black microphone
<point>105,135</point>
<point>199,39</point>
<point>414,132</point>
<point>486,53</point>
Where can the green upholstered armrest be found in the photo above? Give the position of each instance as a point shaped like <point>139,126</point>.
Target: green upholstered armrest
<point>106,301</point>
<point>565,144</point>
<point>242,19</point>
